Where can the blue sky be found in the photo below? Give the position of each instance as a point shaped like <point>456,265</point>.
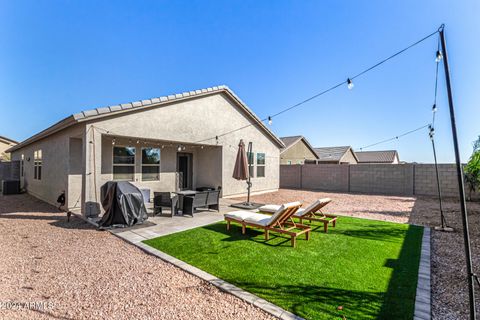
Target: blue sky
<point>61,57</point>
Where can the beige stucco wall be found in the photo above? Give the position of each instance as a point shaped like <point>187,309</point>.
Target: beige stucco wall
<point>79,159</point>
<point>207,163</point>
<point>55,168</point>
<point>348,157</point>
<point>297,154</point>
<point>186,121</point>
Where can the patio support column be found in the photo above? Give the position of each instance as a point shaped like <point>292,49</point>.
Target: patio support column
<point>92,151</point>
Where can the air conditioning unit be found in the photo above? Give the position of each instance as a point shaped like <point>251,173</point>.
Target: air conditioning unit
<point>10,187</point>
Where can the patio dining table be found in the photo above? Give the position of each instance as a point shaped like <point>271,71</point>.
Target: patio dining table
<point>181,196</point>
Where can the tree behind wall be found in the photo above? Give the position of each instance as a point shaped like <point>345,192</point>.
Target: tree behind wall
<point>472,169</point>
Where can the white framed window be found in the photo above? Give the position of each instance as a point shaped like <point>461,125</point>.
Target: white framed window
<point>37,165</point>
<point>289,162</point>
<point>251,164</point>
<point>22,168</point>
<point>150,164</point>
<point>260,165</point>
<point>124,163</point>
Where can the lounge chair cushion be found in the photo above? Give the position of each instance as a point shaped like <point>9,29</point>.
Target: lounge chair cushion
<point>239,215</point>
<point>272,208</point>
<point>316,204</point>
<point>259,219</point>
<point>265,219</point>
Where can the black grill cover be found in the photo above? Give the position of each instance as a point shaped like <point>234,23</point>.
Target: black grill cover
<point>123,205</point>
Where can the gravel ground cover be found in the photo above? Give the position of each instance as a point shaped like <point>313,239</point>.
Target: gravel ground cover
<point>449,285</point>
<point>75,272</point>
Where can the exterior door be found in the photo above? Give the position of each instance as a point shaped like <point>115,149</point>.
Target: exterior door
<point>185,170</point>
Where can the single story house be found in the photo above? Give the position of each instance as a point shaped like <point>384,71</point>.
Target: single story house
<point>336,155</point>
<point>297,151</point>
<point>5,144</point>
<point>385,156</point>
<point>169,143</point>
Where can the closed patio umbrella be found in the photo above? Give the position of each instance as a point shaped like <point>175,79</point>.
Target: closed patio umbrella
<point>241,172</point>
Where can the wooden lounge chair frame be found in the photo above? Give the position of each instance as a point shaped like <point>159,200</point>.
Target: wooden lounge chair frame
<point>283,224</point>
<point>316,215</point>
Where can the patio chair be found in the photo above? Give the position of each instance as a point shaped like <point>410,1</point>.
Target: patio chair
<point>281,222</point>
<point>162,200</point>
<point>213,199</point>
<point>190,203</point>
<point>312,213</point>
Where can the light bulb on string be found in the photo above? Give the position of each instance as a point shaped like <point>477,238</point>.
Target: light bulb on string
<point>269,120</point>
<point>113,141</point>
<point>350,84</point>
<point>179,148</point>
<point>438,56</point>
<point>434,108</point>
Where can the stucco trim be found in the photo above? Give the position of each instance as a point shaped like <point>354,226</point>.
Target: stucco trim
<point>60,125</point>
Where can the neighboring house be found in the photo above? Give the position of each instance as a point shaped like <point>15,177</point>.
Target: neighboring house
<point>336,155</point>
<point>297,150</point>
<point>6,143</point>
<point>386,156</point>
<point>164,144</point>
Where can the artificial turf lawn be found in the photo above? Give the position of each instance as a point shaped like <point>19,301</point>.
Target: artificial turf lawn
<point>368,267</point>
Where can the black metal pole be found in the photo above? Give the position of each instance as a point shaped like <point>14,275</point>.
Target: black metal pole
<point>438,182</point>
<point>461,187</point>
<point>249,183</point>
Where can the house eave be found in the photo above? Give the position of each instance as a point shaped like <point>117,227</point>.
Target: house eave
<point>115,110</point>
<point>61,125</point>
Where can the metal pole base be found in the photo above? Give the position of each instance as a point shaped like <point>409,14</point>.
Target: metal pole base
<point>444,229</point>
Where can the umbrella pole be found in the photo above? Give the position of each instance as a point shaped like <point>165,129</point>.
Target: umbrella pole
<point>249,183</point>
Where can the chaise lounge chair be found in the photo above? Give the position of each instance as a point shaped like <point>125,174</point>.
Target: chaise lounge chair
<point>281,221</point>
<point>311,213</point>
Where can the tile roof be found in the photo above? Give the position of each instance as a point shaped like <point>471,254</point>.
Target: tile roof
<point>289,141</point>
<point>385,156</point>
<point>331,153</point>
<point>8,140</point>
<point>131,106</point>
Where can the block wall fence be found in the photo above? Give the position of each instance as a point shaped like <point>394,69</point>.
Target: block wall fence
<point>397,179</point>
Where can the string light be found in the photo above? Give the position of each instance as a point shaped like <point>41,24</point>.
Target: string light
<point>434,108</point>
<point>269,120</point>
<point>350,84</point>
<point>349,80</point>
<point>431,131</point>
<point>438,56</point>
<point>113,141</point>
<point>179,148</point>
<point>396,137</point>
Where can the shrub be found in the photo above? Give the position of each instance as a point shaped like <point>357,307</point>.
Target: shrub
<point>472,169</point>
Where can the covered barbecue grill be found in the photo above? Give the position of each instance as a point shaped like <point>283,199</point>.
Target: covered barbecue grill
<point>123,205</point>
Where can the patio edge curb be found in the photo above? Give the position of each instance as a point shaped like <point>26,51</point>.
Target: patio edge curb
<point>423,308</point>
<point>248,297</point>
